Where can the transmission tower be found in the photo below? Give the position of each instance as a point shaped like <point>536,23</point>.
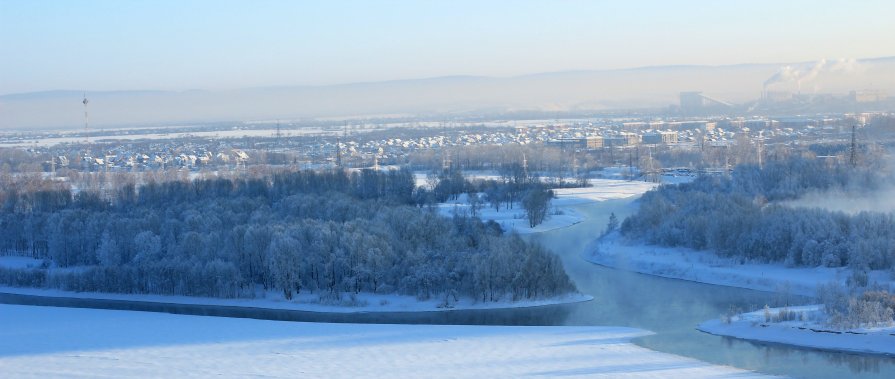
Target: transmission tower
<point>338,152</point>
<point>562,160</point>
<point>524,165</point>
<point>853,149</point>
<point>278,133</point>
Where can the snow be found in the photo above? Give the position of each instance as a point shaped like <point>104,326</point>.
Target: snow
<point>363,302</point>
<point>601,190</point>
<point>809,333</point>
<point>421,178</point>
<point>708,267</point>
<point>512,219</point>
<point>560,215</point>
<point>63,342</point>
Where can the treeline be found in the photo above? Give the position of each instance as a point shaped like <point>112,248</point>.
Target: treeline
<point>511,185</point>
<point>514,185</point>
<point>329,233</point>
<point>740,216</point>
<point>395,185</point>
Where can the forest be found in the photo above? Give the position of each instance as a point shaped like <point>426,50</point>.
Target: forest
<point>744,217</point>
<point>332,233</point>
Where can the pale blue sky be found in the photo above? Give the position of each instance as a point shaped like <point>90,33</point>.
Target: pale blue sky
<point>179,45</point>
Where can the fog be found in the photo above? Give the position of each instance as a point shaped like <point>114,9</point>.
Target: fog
<point>850,202</point>
<point>563,91</point>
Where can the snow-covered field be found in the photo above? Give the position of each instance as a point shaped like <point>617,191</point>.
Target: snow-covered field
<point>708,267</point>
<point>513,219</point>
<point>421,178</point>
<point>44,342</point>
<point>560,214</point>
<point>807,333</point>
<point>601,190</point>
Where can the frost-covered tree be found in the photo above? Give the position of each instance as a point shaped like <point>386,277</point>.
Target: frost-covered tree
<point>475,203</point>
<point>108,254</point>
<point>536,202</point>
<point>612,225</point>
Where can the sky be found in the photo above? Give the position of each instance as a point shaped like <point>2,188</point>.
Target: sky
<point>219,45</point>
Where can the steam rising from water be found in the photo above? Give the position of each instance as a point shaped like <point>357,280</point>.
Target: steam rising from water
<point>847,202</point>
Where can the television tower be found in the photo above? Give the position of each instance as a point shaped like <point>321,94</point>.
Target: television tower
<point>86,159</point>
<point>86,118</point>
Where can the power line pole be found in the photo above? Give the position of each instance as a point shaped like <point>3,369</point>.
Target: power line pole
<point>760,143</point>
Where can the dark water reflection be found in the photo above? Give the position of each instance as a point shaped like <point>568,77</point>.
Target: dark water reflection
<point>550,315</point>
<point>670,308</point>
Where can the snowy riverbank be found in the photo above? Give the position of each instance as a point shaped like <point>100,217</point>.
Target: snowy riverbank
<point>363,302</point>
<point>64,342</point>
<point>805,333</point>
<point>707,267</point>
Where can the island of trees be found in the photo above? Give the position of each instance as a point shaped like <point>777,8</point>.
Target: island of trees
<point>327,232</point>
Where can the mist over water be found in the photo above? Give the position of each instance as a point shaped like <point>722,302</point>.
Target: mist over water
<point>850,202</point>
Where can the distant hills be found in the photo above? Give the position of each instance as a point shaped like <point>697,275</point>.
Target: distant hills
<point>646,87</point>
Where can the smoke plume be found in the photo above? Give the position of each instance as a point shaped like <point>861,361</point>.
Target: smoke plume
<point>807,73</point>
